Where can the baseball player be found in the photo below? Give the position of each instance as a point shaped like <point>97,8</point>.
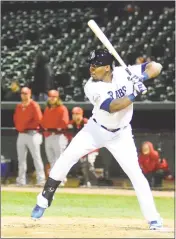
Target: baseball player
<point>111,91</point>
<point>27,119</point>
<point>87,161</point>
<point>55,119</point>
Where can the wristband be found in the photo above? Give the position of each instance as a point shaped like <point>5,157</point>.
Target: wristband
<point>132,97</point>
<point>145,76</point>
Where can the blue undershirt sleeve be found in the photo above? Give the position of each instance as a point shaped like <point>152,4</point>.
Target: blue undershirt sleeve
<point>105,104</point>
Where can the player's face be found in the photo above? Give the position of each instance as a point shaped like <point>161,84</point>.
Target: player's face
<point>145,149</point>
<point>77,117</point>
<point>52,100</point>
<point>98,72</point>
<point>25,96</point>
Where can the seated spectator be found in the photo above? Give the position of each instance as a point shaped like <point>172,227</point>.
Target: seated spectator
<point>154,168</point>
<point>162,172</point>
<point>140,60</point>
<point>150,58</point>
<point>148,161</point>
<point>14,93</point>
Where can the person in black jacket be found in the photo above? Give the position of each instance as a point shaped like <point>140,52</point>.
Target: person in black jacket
<point>43,80</point>
<point>14,92</point>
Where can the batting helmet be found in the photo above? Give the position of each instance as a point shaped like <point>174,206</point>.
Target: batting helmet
<point>77,110</point>
<point>100,57</point>
<point>53,93</point>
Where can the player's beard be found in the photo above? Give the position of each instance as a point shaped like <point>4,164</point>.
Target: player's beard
<point>107,76</point>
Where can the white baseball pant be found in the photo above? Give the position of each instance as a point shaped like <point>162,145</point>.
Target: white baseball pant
<point>54,146</point>
<point>27,141</point>
<point>122,146</point>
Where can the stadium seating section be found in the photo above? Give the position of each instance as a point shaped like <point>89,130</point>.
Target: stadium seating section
<point>64,35</point>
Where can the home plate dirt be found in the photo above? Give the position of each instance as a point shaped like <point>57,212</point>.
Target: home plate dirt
<point>63,227</point>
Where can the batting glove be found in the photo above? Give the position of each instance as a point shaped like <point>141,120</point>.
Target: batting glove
<point>138,85</point>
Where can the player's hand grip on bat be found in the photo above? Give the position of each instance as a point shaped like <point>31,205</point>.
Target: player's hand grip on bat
<point>152,70</point>
<point>138,85</point>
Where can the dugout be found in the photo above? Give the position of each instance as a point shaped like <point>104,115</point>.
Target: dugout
<point>151,121</point>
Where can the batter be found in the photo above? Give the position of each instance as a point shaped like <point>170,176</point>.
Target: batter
<point>111,91</point>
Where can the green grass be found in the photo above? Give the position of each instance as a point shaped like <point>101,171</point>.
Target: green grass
<point>79,205</point>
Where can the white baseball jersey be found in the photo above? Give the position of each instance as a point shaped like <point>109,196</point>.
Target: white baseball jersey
<point>98,91</point>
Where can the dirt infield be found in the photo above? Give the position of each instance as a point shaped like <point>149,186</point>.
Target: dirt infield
<point>102,191</point>
<point>61,227</point>
<point>78,227</point>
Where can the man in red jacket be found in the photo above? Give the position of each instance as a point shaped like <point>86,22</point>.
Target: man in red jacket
<point>154,168</point>
<point>55,120</point>
<point>27,119</point>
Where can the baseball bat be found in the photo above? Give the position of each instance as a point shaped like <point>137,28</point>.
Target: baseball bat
<point>99,33</point>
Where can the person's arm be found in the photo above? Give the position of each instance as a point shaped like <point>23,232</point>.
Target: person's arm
<point>65,117</point>
<point>114,105</point>
<point>145,71</point>
<point>154,155</point>
<point>151,70</point>
<point>42,122</point>
<point>37,113</point>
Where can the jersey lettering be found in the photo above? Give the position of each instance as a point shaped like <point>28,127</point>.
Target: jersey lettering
<point>118,93</point>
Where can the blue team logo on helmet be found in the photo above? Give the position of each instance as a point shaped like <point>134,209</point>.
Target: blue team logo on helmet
<point>100,57</point>
<point>92,55</point>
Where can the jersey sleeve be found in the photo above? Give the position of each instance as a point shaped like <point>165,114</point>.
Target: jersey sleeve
<point>96,93</point>
<point>138,69</point>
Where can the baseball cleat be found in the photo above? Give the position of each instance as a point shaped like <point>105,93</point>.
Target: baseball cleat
<point>37,212</point>
<point>156,225</point>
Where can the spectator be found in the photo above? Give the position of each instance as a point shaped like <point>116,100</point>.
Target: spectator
<point>55,120</point>
<point>154,168</point>
<point>27,119</point>
<point>148,161</point>
<point>43,79</point>
<point>140,60</point>
<point>162,172</point>
<point>130,8</point>
<point>86,162</point>
<point>150,58</point>
<point>14,93</point>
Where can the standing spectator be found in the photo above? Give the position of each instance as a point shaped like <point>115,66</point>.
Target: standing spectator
<point>140,60</point>
<point>14,93</point>
<point>87,162</point>
<point>55,120</point>
<point>43,79</point>
<point>27,119</point>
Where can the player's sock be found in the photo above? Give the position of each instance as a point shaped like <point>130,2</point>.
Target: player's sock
<point>49,189</point>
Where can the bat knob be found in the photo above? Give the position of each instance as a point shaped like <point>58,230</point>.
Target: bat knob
<point>144,92</point>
